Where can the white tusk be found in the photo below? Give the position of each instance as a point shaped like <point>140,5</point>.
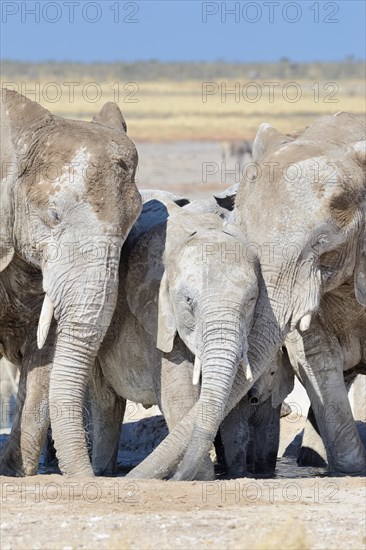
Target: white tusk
<point>196,371</point>
<point>305,322</point>
<point>44,321</point>
<point>247,370</point>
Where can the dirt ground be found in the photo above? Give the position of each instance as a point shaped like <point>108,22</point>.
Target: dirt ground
<point>111,513</point>
<point>298,509</point>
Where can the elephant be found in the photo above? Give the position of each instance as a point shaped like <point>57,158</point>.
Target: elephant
<point>250,432</point>
<point>303,209</point>
<point>68,200</point>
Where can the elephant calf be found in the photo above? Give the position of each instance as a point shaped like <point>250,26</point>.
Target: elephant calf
<point>250,432</point>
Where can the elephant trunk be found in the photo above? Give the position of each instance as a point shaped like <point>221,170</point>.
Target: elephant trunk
<point>253,396</point>
<point>84,306</point>
<point>223,348</point>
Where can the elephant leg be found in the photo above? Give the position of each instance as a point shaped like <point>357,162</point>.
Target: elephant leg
<point>106,411</point>
<point>265,436</point>
<point>24,446</point>
<point>312,451</point>
<point>178,396</point>
<point>318,361</point>
<point>235,436</point>
<point>8,391</point>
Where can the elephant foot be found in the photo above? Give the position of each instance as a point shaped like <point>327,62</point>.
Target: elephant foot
<point>206,471</point>
<point>137,475</point>
<point>11,466</point>
<point>309,457</point>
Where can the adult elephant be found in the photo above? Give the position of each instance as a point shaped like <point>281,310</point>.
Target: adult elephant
<point>304,210</point>
<point>68,200</point>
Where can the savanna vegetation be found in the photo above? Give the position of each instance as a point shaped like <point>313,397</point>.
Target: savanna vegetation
<point>194,101</point>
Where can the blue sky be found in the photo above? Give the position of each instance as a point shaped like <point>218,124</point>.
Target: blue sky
<point>174,30</point>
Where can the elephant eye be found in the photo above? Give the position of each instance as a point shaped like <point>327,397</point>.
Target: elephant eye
<point>54,216</point>
<point>319,243</point>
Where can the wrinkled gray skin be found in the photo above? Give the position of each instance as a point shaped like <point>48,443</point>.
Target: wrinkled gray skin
<point>304,209</point>
<point>337,337</point>
<point>68,200</point>
<point>312,451</point>
<point>250,432</point>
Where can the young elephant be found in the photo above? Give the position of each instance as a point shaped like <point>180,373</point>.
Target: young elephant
<point>250,432</point>
<point>187,291</point>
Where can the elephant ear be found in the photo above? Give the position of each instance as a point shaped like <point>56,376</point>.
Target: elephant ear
<point>164,197</point>
<point>20,119</point>
<point>8,173</point>
<point>22,115</point>
<point>145,268</point>
<point>226,199</point>
<point>267,138</point>
<point>167,327</point>
<point>360,267</point>
<point>110,115</point>
<point>360,270</point>
<point>285,379</point>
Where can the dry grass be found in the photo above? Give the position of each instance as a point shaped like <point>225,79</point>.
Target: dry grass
<point>164,111</point>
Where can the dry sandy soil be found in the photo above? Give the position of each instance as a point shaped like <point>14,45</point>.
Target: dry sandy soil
<point>54,513</point>
<point>299,509</point>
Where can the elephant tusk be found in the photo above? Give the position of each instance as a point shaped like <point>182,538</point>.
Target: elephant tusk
<point>44,321</point>
<point>196,371</point>
<point>305,322</point>
<point>247,370</point>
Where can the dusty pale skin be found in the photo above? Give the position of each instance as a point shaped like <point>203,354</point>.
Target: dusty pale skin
<point>65,186</point>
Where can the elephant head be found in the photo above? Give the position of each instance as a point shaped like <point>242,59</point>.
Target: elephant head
<point>304,211</point>
<point>275,383</point>
<point>204,290</point>
<point>68,201</point>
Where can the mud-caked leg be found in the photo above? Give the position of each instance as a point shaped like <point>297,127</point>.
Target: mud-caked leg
<point>235,435</point>
<point>31,421</point>
<point>312,451</point>
<point>318,360</point>
<point>104,427</point>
